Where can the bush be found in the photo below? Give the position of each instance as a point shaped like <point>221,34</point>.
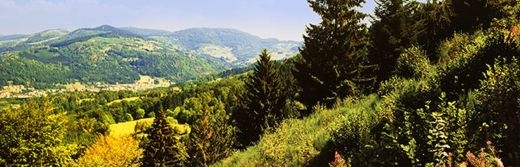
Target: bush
<point>32,136</point>
<point>498,110</point>
<point>413,63</point>
<point>462,74</point>
<point>112,151</point>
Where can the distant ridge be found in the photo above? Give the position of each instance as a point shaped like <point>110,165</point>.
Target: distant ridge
<point>146,32</point>
<point>109,54</point>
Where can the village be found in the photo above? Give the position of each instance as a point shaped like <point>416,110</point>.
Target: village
<point>21,91</point>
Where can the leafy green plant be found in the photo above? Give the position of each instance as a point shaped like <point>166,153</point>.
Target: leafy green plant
<point>413,62</point>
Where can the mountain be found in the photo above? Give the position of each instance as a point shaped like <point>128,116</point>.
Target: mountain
<point>112,55</point>
<point>11,37</point>
<point>146,32</point>
<point>234,46</point>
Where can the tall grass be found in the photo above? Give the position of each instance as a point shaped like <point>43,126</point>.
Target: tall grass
<point>298,142</point>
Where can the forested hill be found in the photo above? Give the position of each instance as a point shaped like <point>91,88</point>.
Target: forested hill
<point>232,45</point>
<point>111,55</point>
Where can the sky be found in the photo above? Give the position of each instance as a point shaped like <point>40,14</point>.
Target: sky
<point>282,19</point>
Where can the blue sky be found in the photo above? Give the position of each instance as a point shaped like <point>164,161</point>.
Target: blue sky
<point>282,19</point>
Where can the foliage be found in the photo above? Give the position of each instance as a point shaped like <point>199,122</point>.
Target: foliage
<point>413,63</point>
<point>112,151</point>
<point>211,137</point>
<point>464,71</point>
<point>390,33</point>
<point>263,102</point>
<point>332,55</point>
<point>298,142</point>
<point>163,148</point>
<point>498,109</point>
<point>33,136</point>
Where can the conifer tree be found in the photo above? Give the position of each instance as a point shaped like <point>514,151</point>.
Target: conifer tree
<point>470,15</point>
<point>211,137</point>
<point>163,148</point>
<point>263,102</point>
<point>332,54</point>
<point>433,26</point>
<point>390,34</point>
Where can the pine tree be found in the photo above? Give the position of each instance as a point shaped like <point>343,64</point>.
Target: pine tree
<point>470,15</point>
<point>263,102</point>
<point>163,148</point>
<point>332,54</point>
<point>211,137</point>
<point>433,26</point>
<point>390,34</point>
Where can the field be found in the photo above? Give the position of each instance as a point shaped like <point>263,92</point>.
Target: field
<point>126,128</point>
<point>130,99</point>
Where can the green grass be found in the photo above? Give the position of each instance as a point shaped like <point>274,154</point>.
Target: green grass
<point>126,128</point>
<point>298,142</point>
<point>130,99</point>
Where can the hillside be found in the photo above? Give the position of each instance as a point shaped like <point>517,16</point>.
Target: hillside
<point>424,114</point>
<point>112,55</point>
<point>231,45</point>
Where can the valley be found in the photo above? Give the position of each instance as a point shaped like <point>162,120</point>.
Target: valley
<point>21,91</point>
<point>110,55</point>
<point>412,83</point>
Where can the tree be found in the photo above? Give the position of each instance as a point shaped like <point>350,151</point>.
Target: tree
<point>211,137</point>
<point>469,15</point>
<point>163,149</point>
<point>433,25</point>
<point>112,151</point>
<point>33,136</point>
<point>263,101</point>
<point>332,54</point>
<point>390,33</point>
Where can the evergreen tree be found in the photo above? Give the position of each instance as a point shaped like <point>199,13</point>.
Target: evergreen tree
<point>163,148</point>
<point>390,33</point>
<point>211,137</point>
<point>332,54</point>
<point>470,15</point>
<point>263,101</point>
<point>433,25</point>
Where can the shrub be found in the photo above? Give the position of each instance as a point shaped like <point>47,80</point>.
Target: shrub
<point>498,110</point>
<point>463,72</point>
<point>32,136</point>
<point>413,62</point>
<point>112,151</point>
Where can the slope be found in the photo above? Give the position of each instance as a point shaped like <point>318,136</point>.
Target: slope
<point>104,54</point>
<point>232,45</point>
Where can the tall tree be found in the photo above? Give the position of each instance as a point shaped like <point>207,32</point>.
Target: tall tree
<point>390,33</point>
<point>211,137</point>
<point>263,101</point>
<point>332,53</point>
<point>433,26</point>
<point>163,149</point>
<point>470,15</point>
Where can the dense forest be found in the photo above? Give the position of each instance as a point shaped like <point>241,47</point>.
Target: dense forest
<point>433,83</point>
